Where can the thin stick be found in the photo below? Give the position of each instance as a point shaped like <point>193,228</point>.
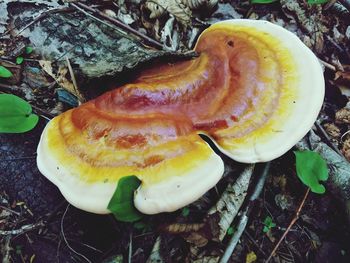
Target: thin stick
<point>10,210</point>
<point>121,25</point>
<point>327,65</point>
<point>254,243</point>
<point>234,240</point>
<point>245,216</point>
<point>6,249</point>
<point>65,240</point>
<point>345,3</point>
<point>130,248</point>
<point>296,217</point>
<point>75,85</point>
<point>325,134</point>
<point>330,4</point>
<point>22,229</point>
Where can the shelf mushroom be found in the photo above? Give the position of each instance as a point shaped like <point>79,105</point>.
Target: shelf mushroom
<point>255,90</point>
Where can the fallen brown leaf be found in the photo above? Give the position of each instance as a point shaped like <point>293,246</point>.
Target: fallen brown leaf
<point>342,116</point>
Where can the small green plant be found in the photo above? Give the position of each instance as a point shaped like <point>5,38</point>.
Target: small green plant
<point>144,227</point>
<point>28,50</point>
<point>230,231</point>
<point>19,60</point>
<point>311,169</point>
<point>316,2</point>
<point>122,201</point>
<point>268,224</point>
<point>16,115</point>
<point>5,73</point>
<point>185,211</point>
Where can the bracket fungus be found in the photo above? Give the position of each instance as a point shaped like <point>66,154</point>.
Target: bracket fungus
<point>255,90</point>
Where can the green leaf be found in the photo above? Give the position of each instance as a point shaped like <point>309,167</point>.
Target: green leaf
<point>316,2</point>
<point>268,224</point>
<point>230,231</point>
<point>19,60</point>
<point>263,1</point>
<point>5,73</point>
<point>311,168</point>
<point>122,201</point>
<point>16,115</point>
<point>29,50</point>
<point>185,211</point>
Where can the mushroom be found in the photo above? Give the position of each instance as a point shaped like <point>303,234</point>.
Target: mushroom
<point>255,90</point>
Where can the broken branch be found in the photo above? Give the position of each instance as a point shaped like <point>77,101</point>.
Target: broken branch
<point>245,215</point>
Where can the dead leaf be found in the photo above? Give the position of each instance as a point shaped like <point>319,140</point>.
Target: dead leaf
<point>284,201</point>
<point>346,149</point>
<point>251,257</point>
<point>169,35</point>
<point>181,12</point>
<point>182,228</point>
<point>342,116</point>
<point>197,239</point>
<point>60,78</point>
<point>196,4</point>
<point>342,77</point>
<point>280,182</point>
<point>332,130</point>
<point>311,21</point>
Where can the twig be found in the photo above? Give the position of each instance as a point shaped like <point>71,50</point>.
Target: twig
<point>296,217</point>
<point>344,134</point>
<point>345,3</point>
<point>85,245</point>
<point>65,240</point>
<point>5,250</point>
<point>75,85</point>
<point>10,210</point>
<point>254,243</point>
<point>130,248</point>
<point>325,135</point>
<point>119,24</point>
<point>245,215</point>
<point>234,240</point>
<point>22,229</point>
<point>329,4</point>
<point>327,65</point>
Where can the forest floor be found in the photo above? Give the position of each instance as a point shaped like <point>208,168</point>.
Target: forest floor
<point>38,225</point>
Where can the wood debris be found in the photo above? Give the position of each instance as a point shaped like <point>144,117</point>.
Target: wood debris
<point>231,200</point>
<point>310,20</point>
